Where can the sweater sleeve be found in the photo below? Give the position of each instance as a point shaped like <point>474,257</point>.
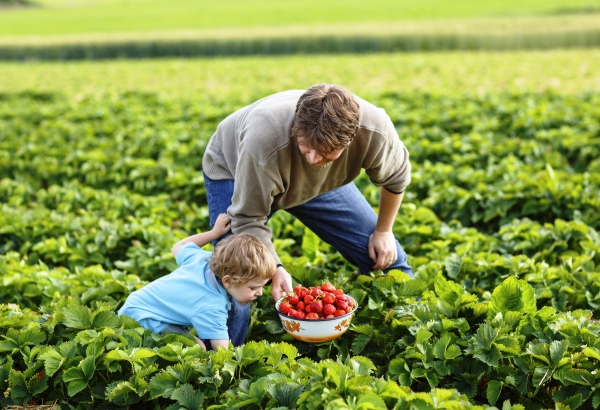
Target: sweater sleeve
<point>389,165</point>
<point>253,195</point>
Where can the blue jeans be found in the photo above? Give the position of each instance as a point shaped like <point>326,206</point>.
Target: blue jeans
<point>343,218</point>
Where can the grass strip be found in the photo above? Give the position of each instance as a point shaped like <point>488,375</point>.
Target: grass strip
<point>525,33</point>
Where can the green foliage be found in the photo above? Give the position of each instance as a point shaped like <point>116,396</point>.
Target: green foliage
<point>500,225</point>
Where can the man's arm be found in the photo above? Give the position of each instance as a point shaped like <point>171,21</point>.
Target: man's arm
<point>222,226</point>
<point>281,282</point>
<point>382,244</point>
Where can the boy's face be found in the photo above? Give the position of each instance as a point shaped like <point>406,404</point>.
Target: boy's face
<point>247,292</point>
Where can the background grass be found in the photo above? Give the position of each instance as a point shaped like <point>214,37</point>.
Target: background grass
<point>561,71</point>
<point>108,29</point>
<point>109,16</point>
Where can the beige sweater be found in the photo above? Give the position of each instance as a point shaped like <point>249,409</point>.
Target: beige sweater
<point>252,146</point>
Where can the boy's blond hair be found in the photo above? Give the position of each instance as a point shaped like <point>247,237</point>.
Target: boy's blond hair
<point>244,257</point>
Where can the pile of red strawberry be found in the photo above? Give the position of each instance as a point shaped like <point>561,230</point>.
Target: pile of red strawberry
<point>316,302</point>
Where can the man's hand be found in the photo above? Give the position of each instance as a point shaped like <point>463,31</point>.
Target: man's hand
<point>382,249</point>
<point>222,225</point>
<point>281,282</point>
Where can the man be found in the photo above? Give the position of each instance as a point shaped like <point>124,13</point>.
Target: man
<point>301,151</point>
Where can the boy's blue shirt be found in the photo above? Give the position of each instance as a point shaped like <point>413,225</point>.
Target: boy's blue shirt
<point>184,297</point>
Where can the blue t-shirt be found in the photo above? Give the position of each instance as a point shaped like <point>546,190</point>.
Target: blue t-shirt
<point>188,296</point>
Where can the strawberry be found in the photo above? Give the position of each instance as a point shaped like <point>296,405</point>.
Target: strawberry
<point>309,299</point>
<point>341,304</point>
<point>327,287</point>
<point>285,307</point>
<point>328,309</point>
<point>316,292</point>
<point>339,312</point>
<point>329,298</point>
<point>300,306</point>
<point>316,306</point>
<point>312,316</point>
<point>292,299</point>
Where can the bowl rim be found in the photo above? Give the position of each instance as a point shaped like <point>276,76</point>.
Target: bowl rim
<point>278,302</point>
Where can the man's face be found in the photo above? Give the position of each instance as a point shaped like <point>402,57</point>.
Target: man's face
<point>317,159</point>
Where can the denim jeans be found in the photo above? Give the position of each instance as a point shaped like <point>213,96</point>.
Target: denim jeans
<point>342,217</point>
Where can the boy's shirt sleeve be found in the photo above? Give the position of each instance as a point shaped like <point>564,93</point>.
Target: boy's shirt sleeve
<point>188,251</point>
<point>211,324</point>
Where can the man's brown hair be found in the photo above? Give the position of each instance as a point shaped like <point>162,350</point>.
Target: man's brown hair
<point>326,118</point>
<point>244,257</point>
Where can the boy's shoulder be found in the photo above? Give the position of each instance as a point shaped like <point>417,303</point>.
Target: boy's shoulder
<point>190,252</point>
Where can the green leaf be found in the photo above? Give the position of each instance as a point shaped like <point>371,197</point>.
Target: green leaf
<point>413,288</point>
<point>574,401</point>
<point>162,385</point>
<point>447,291</point>
<point>361,365</point>
<point>396,366</point>
<point>359,343</point>
<point>76,380</point>
<point>122,393</point>
<point>52,361</point>
<point>77,316</point>
<point>439,350</point>
<point>592,352</point>
<point>512,295</point>
<point>286,393</point>
<point>310,244</point>
<point>422,335</point>
<point>140,354</point>
<point>88,366</point>
<point>492,393</point>
<point>557,350</point>
<point>18,385</point>
<point>105,319</point>
<point>37,385</point>
<point>453,264</point>
<point>370,401</point>
<point>31,336</point>
<point>596,400</point>
<point>580,376</point>
<point>274,326</point>
<point>187,397</point>
<point>287,349</point>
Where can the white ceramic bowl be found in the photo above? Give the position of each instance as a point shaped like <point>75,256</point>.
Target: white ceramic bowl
<point>316,331</point>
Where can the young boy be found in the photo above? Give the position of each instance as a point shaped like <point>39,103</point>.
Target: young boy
<point>198,292</point>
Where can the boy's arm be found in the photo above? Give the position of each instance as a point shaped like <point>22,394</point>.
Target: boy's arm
<point>220,342</point>
<point>222,226</point>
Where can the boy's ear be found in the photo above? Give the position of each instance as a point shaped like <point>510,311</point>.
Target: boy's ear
<point>226,281</point>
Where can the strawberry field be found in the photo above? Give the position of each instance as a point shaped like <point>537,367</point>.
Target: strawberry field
<point>500,223</point>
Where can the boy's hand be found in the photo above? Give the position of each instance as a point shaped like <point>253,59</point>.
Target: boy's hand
<point>200,342</point>
<point>222,225</point>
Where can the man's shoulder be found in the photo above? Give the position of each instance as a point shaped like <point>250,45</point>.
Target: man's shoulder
<point>267,124</point>
<point>371,117</point>
<point>277,108</point>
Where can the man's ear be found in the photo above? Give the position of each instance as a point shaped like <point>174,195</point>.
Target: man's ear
<point>226,281</point>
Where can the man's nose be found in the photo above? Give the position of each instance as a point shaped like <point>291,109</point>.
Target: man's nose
<point>313,157</point>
